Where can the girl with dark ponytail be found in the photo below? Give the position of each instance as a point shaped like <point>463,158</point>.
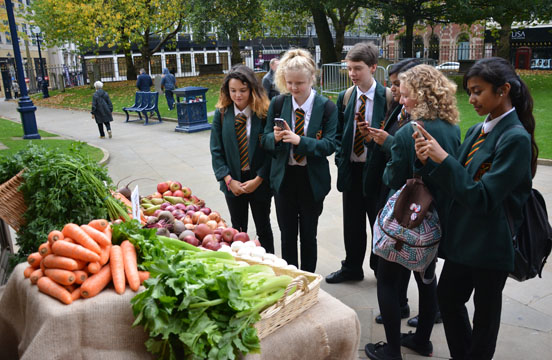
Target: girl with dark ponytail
<point>491,171</point>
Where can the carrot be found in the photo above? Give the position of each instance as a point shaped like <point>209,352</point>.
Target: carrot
<point>96,235</point>
<point>34,259</point>
<point>81,237</point>
<point>96,283</point>
<point>59,262</point>
<point>74,251</point>
<point>28,271</point>
<point>144,275</point>
<point>44,249</point>
<point>80,276</point>
<point>76,294</point>
<point>42,267</point>
<point>117,269</point>
<point>63,277</point>
<point>67,239</point>
<point>70,288</point>
<point>94,267</point>
<point>35,275</point>
<point>54,236</point>
<point>131,266</point>
<point>107,233</point>
<point>50,287</point>
<point>104,257</point>
<point>99,224</point>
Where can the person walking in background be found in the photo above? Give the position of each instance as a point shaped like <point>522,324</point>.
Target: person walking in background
<point>491,174</point>
<point>168,84</point>
<point>102,109</point>
<point>430,99</point>
<point>144,82</point>
<point>366,105</point>
<point>15,87</point>
<point>300,142</point>
<point>268,79</point>
<point>239,162</point>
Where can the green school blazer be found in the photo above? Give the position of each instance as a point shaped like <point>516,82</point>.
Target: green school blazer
<point>401,166</point>
<point>317,145</point>
<point>345,137</point>
<point>225,157</point>
<point>478,233</point>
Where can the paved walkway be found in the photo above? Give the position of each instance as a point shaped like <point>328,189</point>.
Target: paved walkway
<point>156,153</point>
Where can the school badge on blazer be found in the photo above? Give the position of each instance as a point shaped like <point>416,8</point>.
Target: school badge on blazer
<point>319,135</point>
<point>482,170</point>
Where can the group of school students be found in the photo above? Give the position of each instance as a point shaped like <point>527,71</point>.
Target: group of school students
<point>255,157</point>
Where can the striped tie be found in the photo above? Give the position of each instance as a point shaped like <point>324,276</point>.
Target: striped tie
<point>358,147</point>
<point>299,129</point>
<point>240,122</point>
<point>403,117</point>
<point>476,145</point>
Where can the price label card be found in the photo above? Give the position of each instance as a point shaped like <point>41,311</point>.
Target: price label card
<point>135,199</point>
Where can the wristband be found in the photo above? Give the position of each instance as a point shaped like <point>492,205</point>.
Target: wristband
<point>228,183</point>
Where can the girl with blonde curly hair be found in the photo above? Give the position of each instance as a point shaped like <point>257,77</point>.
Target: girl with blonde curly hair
<point>429,97</point>
<point>300,143</point>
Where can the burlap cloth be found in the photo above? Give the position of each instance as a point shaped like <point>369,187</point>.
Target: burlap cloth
<point>33,325</point>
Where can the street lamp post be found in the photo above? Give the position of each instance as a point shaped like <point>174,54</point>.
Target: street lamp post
<point>44,85</point>
<point>26,107</point>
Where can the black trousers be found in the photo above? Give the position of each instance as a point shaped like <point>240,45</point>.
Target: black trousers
<point>391,279</point>
<point>260,209</point>
<point>456,284</point>
<point>355,208</point>
<point>101,125</point>
<point>298,212</point>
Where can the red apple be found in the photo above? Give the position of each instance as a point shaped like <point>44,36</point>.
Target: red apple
<point>175,186</point>
<point>241,236</point>
<point>228,234</point>
<point>168,193</point>
<point>162,187</point>
<point>178,193</point>
<point>187,191</point>
<point>212,245</point>
<point>156,195</point>
<point>217,231</point>
<point>218,237</point>
<point>208,238</point>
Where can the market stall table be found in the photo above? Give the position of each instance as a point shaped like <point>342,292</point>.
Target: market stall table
<point>34,325</point>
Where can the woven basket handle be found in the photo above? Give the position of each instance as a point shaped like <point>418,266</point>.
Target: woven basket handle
<point>301,282</point>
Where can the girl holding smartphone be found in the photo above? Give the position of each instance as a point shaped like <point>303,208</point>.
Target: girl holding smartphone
<point>491,172</point>
<point>299,174</point>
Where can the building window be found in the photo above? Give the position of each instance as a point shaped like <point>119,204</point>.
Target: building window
<point>186,63</point>
<point>8,38</point>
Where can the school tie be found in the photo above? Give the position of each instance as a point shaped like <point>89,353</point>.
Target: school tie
<point>476,145</point>
<point>299,129</point>
<point>240,122</point>
<point>358,147</point>
<point>403,116</point>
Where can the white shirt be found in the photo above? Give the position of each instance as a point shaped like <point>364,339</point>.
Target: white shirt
<point>489,125</point>
<point>307,108</point>
<point>367,117</point>
<point>246,112</point>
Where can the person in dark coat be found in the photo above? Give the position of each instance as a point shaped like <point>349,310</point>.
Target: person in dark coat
<point>268,79</point>
<point>144,83</point>
<point>168,83</point>
<point>102,109</point>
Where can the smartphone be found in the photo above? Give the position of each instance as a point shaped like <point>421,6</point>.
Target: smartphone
<point>280,123</point>
<point>415,125</point>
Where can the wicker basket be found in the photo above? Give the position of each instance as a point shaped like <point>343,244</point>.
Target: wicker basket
<point>13,205</point>
<point>289,306</point>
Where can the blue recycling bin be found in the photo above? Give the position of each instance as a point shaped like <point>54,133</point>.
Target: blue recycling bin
<point>191,107</point>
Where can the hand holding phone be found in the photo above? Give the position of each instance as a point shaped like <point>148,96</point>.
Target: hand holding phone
<point>415,125</point>
<point>279,122</point>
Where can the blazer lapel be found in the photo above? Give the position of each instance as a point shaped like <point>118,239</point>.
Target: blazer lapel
<point>256,129</point>
<point>349,118</point>
<point>317,113</point>
<point>378,111</point>
<point>392,118</point>
<point>229,133</point>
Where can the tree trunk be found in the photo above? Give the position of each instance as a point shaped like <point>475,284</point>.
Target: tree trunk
<point>503,50</point>
<point>130,69</point>
<point>327,49</point>
<point>235,50</point>
<point>409,38</point>
<point>339,39</point>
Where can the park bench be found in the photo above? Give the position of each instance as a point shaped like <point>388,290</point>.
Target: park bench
<point>144,102</point>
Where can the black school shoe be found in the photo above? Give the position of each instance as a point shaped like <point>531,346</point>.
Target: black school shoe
<point>341,275</point>
<point>414,321</point>
<point>405,312</point>
<point>377,352</point>
<point>407,340</point>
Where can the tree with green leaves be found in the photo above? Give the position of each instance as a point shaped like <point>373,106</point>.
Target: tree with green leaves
<point>391,15</point>
<point>91,24</point>
<point>504,13</point>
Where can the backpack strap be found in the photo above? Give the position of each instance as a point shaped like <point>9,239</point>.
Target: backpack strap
<point>346,98</point>
<point>278,104</point>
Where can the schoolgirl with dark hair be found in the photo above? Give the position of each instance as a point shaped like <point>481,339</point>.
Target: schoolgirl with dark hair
<point>240,164</point>
<point>492,171</point>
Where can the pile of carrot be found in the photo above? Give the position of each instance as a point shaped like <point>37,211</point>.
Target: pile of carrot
<point>80,261</point>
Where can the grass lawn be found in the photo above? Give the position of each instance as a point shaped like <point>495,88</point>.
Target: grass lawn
<point>12,134</point>
<point>122,94</point>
